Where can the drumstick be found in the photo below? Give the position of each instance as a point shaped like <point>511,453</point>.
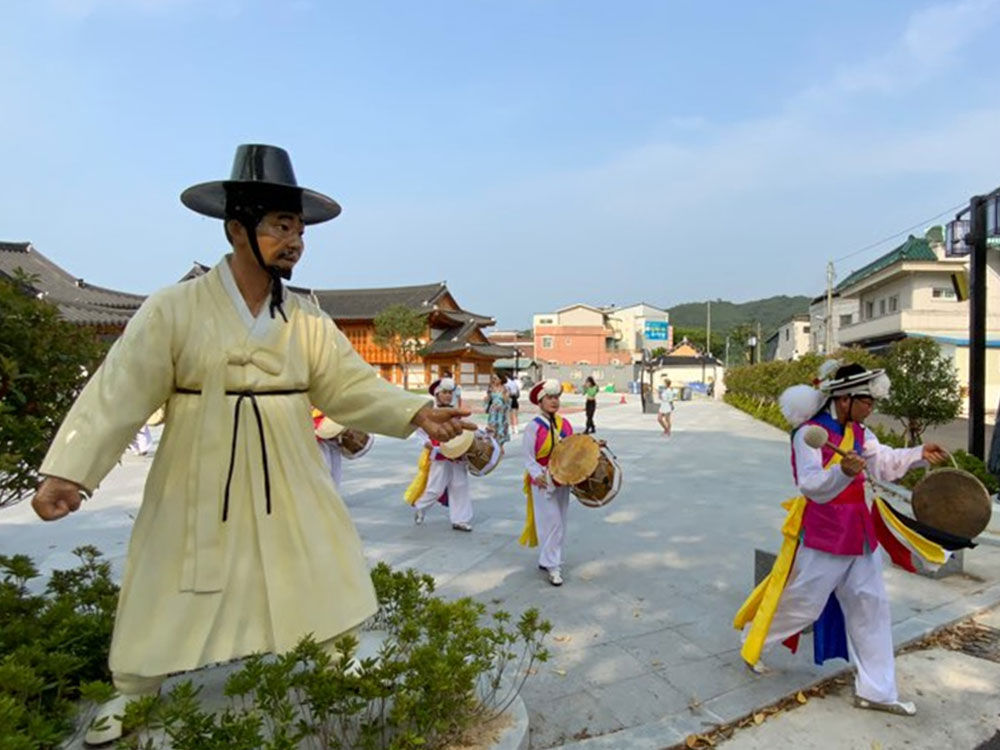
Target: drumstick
<point>816,437</point>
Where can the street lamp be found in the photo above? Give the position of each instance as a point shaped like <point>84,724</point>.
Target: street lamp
<point>984,230</point>
<point>752,343</point>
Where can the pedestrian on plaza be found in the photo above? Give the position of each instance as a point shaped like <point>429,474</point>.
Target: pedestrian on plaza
<point>829,570</point>
<point>242,544</point>
<point>514,388</point>
<point>496,403</point>
<point>666,411</point>
<point>590,393</point>
<point>545,521</point>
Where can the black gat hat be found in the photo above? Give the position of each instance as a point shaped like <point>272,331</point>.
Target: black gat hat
<point>262,174</point>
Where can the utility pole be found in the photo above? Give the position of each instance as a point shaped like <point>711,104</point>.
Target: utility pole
<point>708,331</point>
<point>727,352</point>
<point>828,344</point>
<point>759,342</point>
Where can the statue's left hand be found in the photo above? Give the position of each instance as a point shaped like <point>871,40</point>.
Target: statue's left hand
<point>442,423</point>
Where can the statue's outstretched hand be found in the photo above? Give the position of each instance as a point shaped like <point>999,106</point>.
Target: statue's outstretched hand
<point>442,423</point>
<point>56,498</point>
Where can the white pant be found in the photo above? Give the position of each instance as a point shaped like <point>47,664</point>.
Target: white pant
<point>857,580</point>
<point>143,440</point>
<point>334,459</point>
<point>551,506</point>
<point>454,477</point>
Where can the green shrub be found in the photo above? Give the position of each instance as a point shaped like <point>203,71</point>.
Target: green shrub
<point>441,671</point>
<point>43,366</point>
<point>53,647</point>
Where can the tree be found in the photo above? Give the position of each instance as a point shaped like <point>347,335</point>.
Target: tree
<point>399,329</point>
<point>925,390</point>
<point>44,363</point>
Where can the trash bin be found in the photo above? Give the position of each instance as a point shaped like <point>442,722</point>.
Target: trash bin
<point>685,393</point>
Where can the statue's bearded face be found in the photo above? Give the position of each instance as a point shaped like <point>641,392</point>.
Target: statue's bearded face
<point>280,237</point>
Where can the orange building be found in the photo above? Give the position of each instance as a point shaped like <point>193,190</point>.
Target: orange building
<point>454,339</point>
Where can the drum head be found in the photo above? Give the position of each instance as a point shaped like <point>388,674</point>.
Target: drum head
<point>574,459</point>
<point>328,429</point>
<point>458,445</point>
<point>484,455</point>
<point>952,500</point>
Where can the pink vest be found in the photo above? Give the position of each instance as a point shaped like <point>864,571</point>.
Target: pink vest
<point>844,525</point>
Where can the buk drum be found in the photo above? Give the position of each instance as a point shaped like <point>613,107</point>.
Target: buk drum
<point>589,468</point>
<point>484,454</point>
<point>355,443</point>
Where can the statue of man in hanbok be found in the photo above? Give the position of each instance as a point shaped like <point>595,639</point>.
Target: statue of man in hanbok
<point>241,543</point>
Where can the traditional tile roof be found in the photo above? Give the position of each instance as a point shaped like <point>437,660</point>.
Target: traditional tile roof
<point>915,248</point>
<point>77,300</point>
<point>365,304</point>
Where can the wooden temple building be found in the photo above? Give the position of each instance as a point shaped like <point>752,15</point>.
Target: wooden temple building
<point>454,339</point>
<point>77,300</point>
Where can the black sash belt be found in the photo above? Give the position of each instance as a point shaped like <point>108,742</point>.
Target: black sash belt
<point>252,395</point>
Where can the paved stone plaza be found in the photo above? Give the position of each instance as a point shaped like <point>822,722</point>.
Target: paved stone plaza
<point>643,651</point>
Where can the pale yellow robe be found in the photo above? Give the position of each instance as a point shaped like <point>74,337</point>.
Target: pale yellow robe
<point>196,590</point>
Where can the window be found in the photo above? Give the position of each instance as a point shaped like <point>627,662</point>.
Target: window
<point>943,292</point>
<point>545,321</point>
<point>788,333</point>
<point>893,303</point>
<point>806,329</point>
<point>846,320</point>
<point>881,307</point>
<point>546,342</point>
<point>869,310</point>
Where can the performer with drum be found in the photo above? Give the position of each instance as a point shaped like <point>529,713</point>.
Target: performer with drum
<point>829,570</point>
<point>546,519</point>
<point>442,471</point>
<point>336,442</point>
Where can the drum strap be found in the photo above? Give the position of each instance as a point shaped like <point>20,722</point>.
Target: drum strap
<point>252,396</point>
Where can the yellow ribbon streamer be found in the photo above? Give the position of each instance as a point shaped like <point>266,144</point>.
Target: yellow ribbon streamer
<point>419,483</point>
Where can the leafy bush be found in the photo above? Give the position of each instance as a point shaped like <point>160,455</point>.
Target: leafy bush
<point>925,390</point>
<point>441,671</point>
<point>52,646</point>
<point>43,366</point>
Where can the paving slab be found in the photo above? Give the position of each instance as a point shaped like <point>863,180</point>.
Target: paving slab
<point>642,627</point>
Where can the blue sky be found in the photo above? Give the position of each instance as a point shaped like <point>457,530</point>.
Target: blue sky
<point>530,153</point>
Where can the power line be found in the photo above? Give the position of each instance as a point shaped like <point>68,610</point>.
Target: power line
<point>918,225</point>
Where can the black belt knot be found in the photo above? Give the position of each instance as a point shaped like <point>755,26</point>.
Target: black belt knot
<point>252,396</point>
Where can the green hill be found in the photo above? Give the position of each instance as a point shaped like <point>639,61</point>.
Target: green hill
<point>770,313</point>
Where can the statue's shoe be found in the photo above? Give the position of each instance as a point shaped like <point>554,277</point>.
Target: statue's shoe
<point>107,723</point>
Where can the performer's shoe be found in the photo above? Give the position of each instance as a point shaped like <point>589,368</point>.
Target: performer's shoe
<point>555,577</point>
<point>461,527</point>
<point>107,723</point>
<point>760,668</point>
<point>418,517</point>
<point>900,708</point>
